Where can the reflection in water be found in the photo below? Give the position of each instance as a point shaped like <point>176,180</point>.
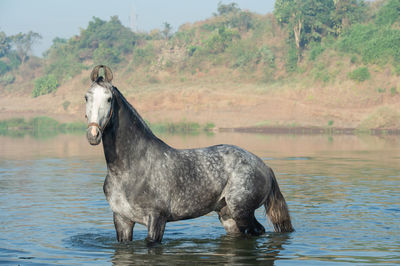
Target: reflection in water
<point>343,193</point>
<point>225,249</point>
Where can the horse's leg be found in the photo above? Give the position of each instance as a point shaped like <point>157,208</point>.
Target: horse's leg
<point>227,221</point>
<point>155,227</point>
<point>248,224</point>
<point>123,227</point>
<point>257,228</point>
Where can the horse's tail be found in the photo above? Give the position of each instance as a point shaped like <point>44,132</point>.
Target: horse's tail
<point>277,209</point>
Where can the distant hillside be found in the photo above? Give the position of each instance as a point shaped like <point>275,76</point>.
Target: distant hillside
<point>327,54</point>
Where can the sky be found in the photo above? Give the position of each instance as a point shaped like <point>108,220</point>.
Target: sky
<point>65,18</point>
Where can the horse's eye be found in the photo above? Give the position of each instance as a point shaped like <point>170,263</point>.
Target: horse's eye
<point>109,100</point>
<point>85,98</point>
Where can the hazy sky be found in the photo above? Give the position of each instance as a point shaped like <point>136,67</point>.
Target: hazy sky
<point>65,18</point>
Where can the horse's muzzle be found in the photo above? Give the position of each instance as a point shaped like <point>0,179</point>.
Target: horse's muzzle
<point>93,135</point>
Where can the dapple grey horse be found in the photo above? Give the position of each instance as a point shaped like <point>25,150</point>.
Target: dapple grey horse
<point>151,183</point>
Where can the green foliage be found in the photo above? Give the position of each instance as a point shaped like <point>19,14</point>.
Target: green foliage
<point>111,34</point>
<point>106,56</point>
<point>397,69</point>
<point>220,39</point>
<point>228,8</point>
<point>242,20</point>
<point>312,19</point>
<point>63,60</point>
<point>7,79</point>
<point>192,49</point>
<point>347,13</point>
<point>23,43</point>
<point>5,44</point>
<point>266,56</point>
<point>389,13</point>
<point>360,74</point>
<point>243,53</point>
<point>65,105</point>
<point>145,55</point>
<point>166,32</point>
<point>45,85</point>
<point>383,117</point>
<point>375,44</point>
<point>4,68</point>
<point>315,51</point>
<point>182,127</point>
<point>291,59</point>
<point>13,60</point>
<point>40,127</point>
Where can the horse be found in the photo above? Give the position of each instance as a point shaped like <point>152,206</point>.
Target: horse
<point>150,183</point>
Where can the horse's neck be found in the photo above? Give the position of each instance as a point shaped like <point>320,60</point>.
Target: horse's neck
<point>128,137</point>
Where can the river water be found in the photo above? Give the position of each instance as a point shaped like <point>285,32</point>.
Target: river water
<point>343,193</point>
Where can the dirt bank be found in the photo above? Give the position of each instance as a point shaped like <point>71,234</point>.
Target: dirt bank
<point>227,105</point>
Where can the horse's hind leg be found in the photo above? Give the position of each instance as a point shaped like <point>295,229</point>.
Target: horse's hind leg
<point>227,221</point>
<point>246,223</point>
<point>123,227</point>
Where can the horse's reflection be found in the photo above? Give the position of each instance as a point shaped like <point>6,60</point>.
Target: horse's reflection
<point>226,249</point>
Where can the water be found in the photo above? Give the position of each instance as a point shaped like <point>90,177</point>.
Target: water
<point>343,193</point>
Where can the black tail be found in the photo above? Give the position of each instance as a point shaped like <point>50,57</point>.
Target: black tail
<point>277,210</point>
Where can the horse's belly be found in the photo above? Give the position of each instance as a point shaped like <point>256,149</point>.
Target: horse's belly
<point>193,205</point>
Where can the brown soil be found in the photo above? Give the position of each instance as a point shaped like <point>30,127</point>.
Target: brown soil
<point>227,105</point>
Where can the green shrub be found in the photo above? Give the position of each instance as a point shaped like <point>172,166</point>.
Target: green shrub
<point>315,51</point>
<point>243,53</point>
<point>106,56</point>
<point>360,74</point>
<point>220,39</point>
<point>4,68</point>
<point>389,13</point>
<point>291,60</point>
<point>7,79</point>
<point>65,105</point>
<point>192,49</point>
<point>397,70</point>
<point>375,44</point>
<point>266,56</point>
<point>144,55</point>
<point>45,85</point>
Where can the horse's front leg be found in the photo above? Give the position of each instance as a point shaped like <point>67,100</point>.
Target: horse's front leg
<point>123,227</point>
<point>155,227</point>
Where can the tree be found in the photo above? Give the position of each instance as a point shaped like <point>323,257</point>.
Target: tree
<point>347,12</point>
<point>166,32</point>
<point>228,8</point>
<point>309,20</point>
<point>5,44</point>
<point>23,44</point>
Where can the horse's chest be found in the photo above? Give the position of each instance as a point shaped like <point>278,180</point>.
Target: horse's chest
<point>118,201</point>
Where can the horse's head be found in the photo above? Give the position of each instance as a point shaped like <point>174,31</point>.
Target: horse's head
<point>99,99</point>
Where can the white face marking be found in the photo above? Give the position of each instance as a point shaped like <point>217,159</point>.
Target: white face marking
<point>98,104</point>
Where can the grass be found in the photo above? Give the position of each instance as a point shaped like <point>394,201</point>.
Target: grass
<point>183,127</point>
<point>383,118</point>
<point>41,127</point>
<point>44,126</point>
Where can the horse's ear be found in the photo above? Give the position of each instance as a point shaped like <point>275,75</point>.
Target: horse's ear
<point>95,73</point>
<point>108,74</point>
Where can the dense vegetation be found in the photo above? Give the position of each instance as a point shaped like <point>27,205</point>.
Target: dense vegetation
<point>301,37</point>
